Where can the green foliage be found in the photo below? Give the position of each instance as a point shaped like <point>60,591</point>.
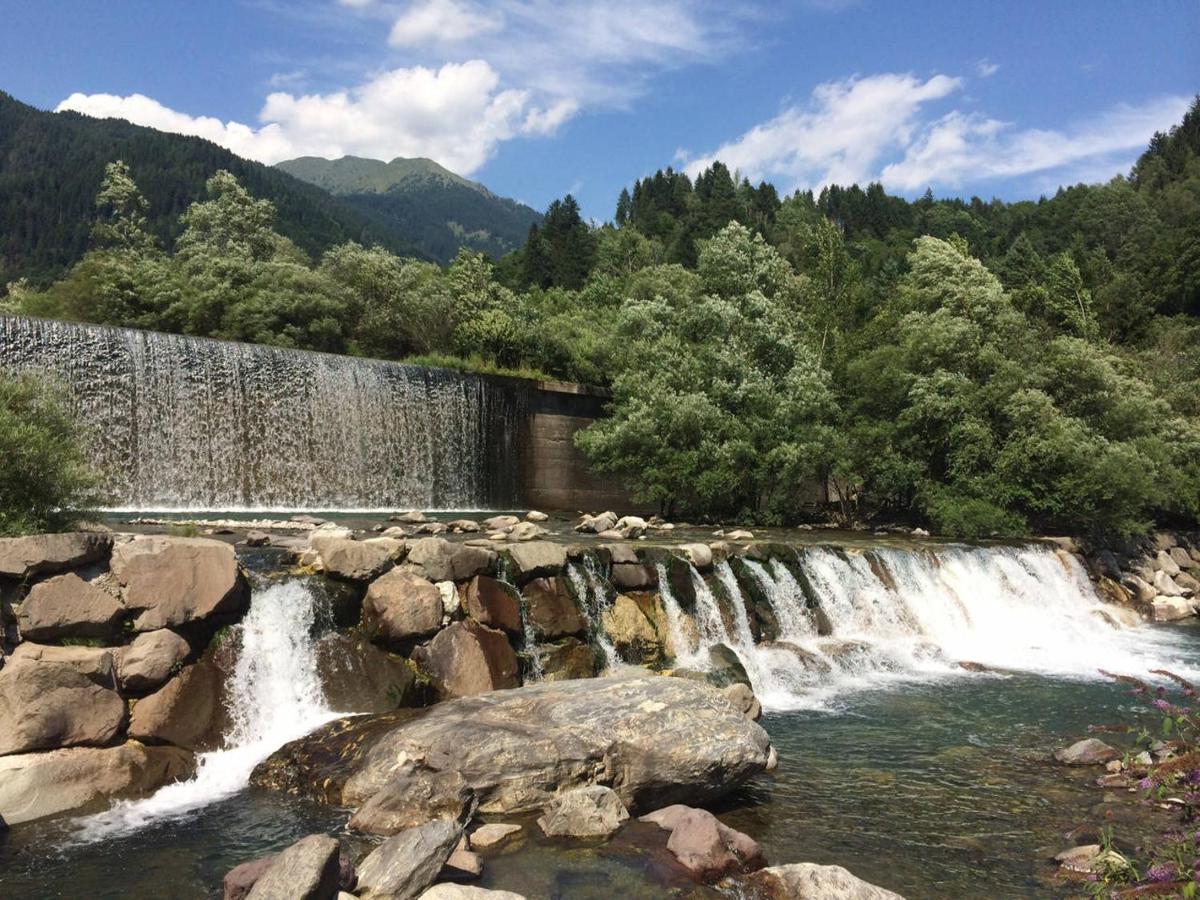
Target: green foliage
<point>45,484</point>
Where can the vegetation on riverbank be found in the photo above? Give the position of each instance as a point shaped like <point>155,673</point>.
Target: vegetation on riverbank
<point>980,367</point>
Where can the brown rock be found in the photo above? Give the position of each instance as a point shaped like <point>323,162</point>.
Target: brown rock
<point>494,603</point>
<point>808,881</point>
<point>44,554</point>
<point>240,879</point>
<point>44,705</point>
<point>67,606</point>
<point>703,844</point>
<point>183,712</point>
<point>358,677</point>
<point>169,581</point>
<point>307,870</point>
<point>412,798</point>
<point>592,811</point>
<point>632,632</point>
<point>94,662</point>
<point>536,559</point>
<point>441,560</point>
<point>492,835</point>
<point>567,658</point>
<point>1088,752</point>
<point>353,560</point>
<point>462,865</point>
<point>401,606</point>
<point>468,658</point>
<point>404,865</point>
<point>150,660</point>
<point>551,609</point>
<point>633,577</point>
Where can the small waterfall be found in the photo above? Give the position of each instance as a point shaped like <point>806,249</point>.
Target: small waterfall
<point>588,590</point>
<point>687,649</point>
<point>275,696</point>
<point>190,423</point>
<point>536,670</point>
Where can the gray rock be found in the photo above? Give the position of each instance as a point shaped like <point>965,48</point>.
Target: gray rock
<point>1164,563</point>
<point>1088,752</point>
<point>468,658</point>
<point>463,526</point>
<point>500,523</point>
<point>536,559</point>
<point>808,881</point>
<point>401,606</point>
<point>45,554</point>
<point>358,677</point>
<point>353,560</point>
<point>593,811</point>
<point>739,535</point>
<point>466,892</point>
<point>462,865</point>
<point>412,517</point>
<point>633,577</point>
<point>1170,609</point>
<point>1188,584</point>
<point>256,538</point>
<point>1182,558</point>
<point>492,835</point>
<point>169,581</point>
<point>1141,591</point>
<point>238,881</point>
<point>535,516</point>
<point>307,870</point>
<point>605,521</point>
<point>44,705</point>
<point>150,660</point>
<point>66,606</point>
<point>414,798</point>
<point>743,699</point>
<point>525,531</point>
<point>1165,585</point>
<point>403,866</point>
<point>441,560</point>
<point>94,662</point>
<point>37,785</point>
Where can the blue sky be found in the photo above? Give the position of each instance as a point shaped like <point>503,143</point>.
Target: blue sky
<point>537,98</point>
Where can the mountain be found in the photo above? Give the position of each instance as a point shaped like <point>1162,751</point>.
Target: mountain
<point>51,165</point>
<point>438,210</point>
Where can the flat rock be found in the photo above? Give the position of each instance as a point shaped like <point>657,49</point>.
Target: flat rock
<point>94,662</point>
<point>414,798</point>
<point>536,559</point>
<point>45,705</point>
<point>44,554</point>
<point>353,560</point>
<point>808,881</point>
<point>402,606</point>
<point>462,865</point>
<point>468,658</point>
<point>467,892</point>
<point>500,523</point>
<point>149,661</point>
<point>403,866</point>
<point>66,606</point>
<point>1088,752</point>
<point>169,581</point>
<point>593,811</point>
<point>307,870</point>
<point>525,531</point>
<point>492,835</point>
<point>441,560</point>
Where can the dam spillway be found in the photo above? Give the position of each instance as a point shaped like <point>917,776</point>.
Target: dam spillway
<point>175,422</point>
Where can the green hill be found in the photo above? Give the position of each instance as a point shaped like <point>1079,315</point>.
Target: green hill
<point>438,210</point>
<point>51,165</point>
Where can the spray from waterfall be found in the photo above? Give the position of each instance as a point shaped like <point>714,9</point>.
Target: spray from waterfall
<point>274,696</point>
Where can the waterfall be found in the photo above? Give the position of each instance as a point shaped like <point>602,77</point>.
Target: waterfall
<point>274,696</point>
<point>589,592</point>
<point>188,423</point>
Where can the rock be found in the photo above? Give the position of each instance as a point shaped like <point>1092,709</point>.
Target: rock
<point>1182,558</point>
<point>404,865</point>
<point>412,517</point>
<point>352,560</point>
<point>358,677</point>
<point>630,527</point>
<point>414,798</point>
<point>150,660</point>
<point>534,516</point>
<point>652,739</point>
<point>739,535</point>
<point>464,892</point>
<point>1166,586</point>
<point>468,658</point>
<point>307,870</point>
<point>611,535</point>
<point>450,599</point>
<point>567,658</point>
<point>396,547</point>
<point>1088,752</point>
<point>1170,609</point>
<point>703,845</point>
<point>605,521</point>
<point>699,555</point>
<point>725,668</point>
<point>492,835</point>
<point>551,609</point>
<point>46,554</point>
<point>44,705</point>
<point>238,881</point>
<point>462,865</point>
<point>395,531</point>
<point>633,632</point>
<point>916,532</point>
<point>494,603</point>
<point>433,528</point>
<point>463,526</point>
<point>255,538</point>
<point>525,531</point>
<point>1079,859</point>
<point>95,663</point>
<point>500,523</point>
<point>536,559</point>
<point>37,785</point>
<point>1141,591</point>
<point>169,581</point>
<point>743,699</point>
<point>1120,616</point>
<point>183,712</point>
<point>808,881</point>
<point>441,560</point>
<point>305,519</point>
<point>401,606</point>
<point>634,577</point>
<point>1188,584</point>
<point>593,811</point>
<point>67,606</point>
<point>1164,563</point>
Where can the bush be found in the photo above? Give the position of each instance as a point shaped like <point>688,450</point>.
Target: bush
<point>45,480</point>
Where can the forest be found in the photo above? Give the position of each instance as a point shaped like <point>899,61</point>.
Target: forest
<point>978,367</point>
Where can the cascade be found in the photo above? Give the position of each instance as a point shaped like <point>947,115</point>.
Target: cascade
<point>188,423</point>
<point>586,584</point>
<point>274,696</point>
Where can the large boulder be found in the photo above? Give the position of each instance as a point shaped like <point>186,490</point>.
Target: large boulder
<point>441,560</point>
<point>44,554</point>
<point>94,662</point>
<point>468,658</point>
<point>307,870</point>
<point>37,785</point>
<point>169,581</point>
<point>536,559</point>
<point>632,631</point>
<point>1170,609</point>
<point>352,560</point>
<point>240,880</point>
<point>183,712</point>
<point>1164,562</point>
<point>494,603</point>
<point>404,865</point>
<point>808,881</point>
<point>401,607</point>
<point>44,705</point>
<point>66,606</point>
<point>651,739</point>
<point>358,677</point>
<point>552,610</point>
<point>592,811</point>
<point>150,660</point>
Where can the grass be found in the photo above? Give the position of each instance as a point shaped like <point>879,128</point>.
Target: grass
<point>475,365</point>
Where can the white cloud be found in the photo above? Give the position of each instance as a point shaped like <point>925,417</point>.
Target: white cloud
<point>985,68</point>
<point>456,114</point>
<point>442,21</point>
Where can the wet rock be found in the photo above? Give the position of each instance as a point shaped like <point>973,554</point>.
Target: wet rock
<point>605,521</point>
<point>551,609</point>
<point>51,704</point>
<point>567,658</point>
<point>45,554</point>
<point>725,667</point>
<point>412,798</point>
<point>412,517</point>
<point>1088,752</point>
<point>633,632</point>
<point>464,526</point>
<point>525,531</point>
<point>401,606</point>
<point>492,835</point>
<point>808,881</point>
<point>699,555</point>
<point>634,577</point>
<point>1170,609</point>
<point>404,865</point>
<point>169,581</point>
<point>238,881</point>
<point>255,538</point>
<point>703,845</point>
<point>358,677</point>
<point>307,870</point>
<point>535,516</point>
<point>468,658</point>
<point>95,663</point>
<point>37,785</point>
<point>494,603</point>
<point>433,528</point>
<point>536,559</point>
<point>441,560</point>
<point>1141,591</point>
<point>183,712</point>
<point>744,701</point>
<point>739,535</point>
<point>1119,616</point>
<point>630,527</point>
<point>149,661</point>
<point>593,811</point>
<point>66,606</point>
<point>464,892</point>
<point>305,519</point>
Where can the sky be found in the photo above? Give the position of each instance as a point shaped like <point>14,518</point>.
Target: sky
<point>537,99</point>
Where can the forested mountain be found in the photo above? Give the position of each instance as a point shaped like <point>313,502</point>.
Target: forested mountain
<point>438,210</point>
<point>51,165</point>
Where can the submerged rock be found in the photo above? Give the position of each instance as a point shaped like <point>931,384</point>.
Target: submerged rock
<point>1088,752</point>
<point>593,811</point>
<point>704,845</point>
<point>492,835</point>
<point>808,881</point>
<point>404,865</point>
